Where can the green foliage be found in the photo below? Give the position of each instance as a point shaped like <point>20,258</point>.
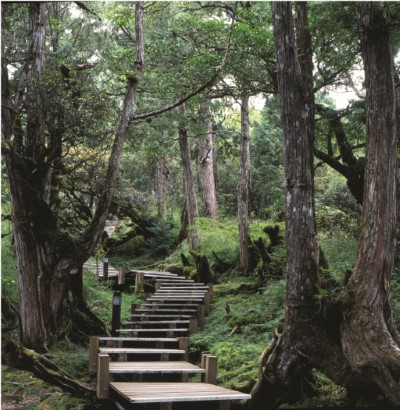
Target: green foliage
<point>163,238</point>
<point>238,329</point>
<point>8,274</point>
<point>340,250</point>
<point>336,209</point>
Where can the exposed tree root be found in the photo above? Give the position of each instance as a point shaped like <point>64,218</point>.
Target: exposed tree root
<point>16,355</point>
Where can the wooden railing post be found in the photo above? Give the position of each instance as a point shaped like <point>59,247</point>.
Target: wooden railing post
<point>139,282</point>
<point>183,345</point>
<point>192,326</point>
<point>211,369</point>
<point>93,350</point>
<point>207,302</point>
<point>121,276</point>
<point>103,376</point>
<point>200,315</point>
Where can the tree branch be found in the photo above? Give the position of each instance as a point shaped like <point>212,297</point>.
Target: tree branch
<point>195,92</point>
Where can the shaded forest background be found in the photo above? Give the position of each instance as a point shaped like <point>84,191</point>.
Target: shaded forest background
<point>235,221</point>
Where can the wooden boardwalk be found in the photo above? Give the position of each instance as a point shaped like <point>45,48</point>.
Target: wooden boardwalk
<point>147,363</point>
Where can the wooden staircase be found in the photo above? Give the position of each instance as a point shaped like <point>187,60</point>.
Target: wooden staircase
<point>147,363</point>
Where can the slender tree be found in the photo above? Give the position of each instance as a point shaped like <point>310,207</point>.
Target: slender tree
<point>192,210</point>
<point>206,162</point>
<point>243,185</point>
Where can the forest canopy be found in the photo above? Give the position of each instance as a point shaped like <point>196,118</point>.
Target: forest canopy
<point>221,139</point>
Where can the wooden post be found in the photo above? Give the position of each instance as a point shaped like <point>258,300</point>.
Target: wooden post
<point>211,289</point>
<point>139,282</point>
<point>225,405</point>
<point>200,315</point>
<point>165,406</point>
<point>121,276</point>
<point>103,376</point>
<point>134,306</point>
<point>192,326</point>
<point>203,365</point>
<point>211,369</point>
<point>183,345</point>
<point>207,302</point>
<point>93,350</point>
<point>105,269</point>
<point>158,285</point>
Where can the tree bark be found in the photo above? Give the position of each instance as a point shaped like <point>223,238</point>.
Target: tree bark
<point>206,161</point>
<point>243,186</point>
<point>190,190</point>
<point>160,188</point>
<point>370,339</point>
<point>45,255</point>
<point>294,351</point>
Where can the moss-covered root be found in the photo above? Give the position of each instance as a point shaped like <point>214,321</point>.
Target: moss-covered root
<point>13,354</point>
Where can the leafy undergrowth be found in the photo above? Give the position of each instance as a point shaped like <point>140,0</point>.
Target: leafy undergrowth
<point>238,330</point>
<point>21,390</point>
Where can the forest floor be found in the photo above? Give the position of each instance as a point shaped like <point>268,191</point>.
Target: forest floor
<point>244,314</point>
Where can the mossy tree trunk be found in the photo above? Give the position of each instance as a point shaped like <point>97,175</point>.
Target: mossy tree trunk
<point>362,352</point>
<point>370,339</point>
<point>46,255</point>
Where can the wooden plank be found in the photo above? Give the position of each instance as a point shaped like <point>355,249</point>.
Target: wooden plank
<point>157,322</point>
<point>170,305</point>
<point>175,299</point>
<point>155,367</point>
<point>177,330</point>
<point>138,339</point>
<point>152,272</point>
<point>156,309</point>
<point>175,392</point>
<point>184,290</point>
<point>134,350</point>
<point>149,316</point>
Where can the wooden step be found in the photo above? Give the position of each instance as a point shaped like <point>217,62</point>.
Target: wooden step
<point>152,272</point>
<point>139,339</point>
<point>181,291</point>
<point>158,322</point>
<point>176,281</point>
<point>194,299</point>
<point>183,287</point>
<point>176,392</point>
<point>164,310</point>
<point>169,305</point>
<point>155,367</point>
<point>170,331</point>
<point>138,350</point>
<point>149,316</point>
<point>189,283</point>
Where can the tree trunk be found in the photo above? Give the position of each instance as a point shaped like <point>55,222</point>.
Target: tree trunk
<point>370,339</point>
<point>45,255</point>
<point>160,189</point>
<point>243,186</point>
<point>206,161</point>
<point>294,351</point>
<point>190,190</point>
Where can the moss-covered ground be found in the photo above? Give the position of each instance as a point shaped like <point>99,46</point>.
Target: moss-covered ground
<point>245,312</point>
